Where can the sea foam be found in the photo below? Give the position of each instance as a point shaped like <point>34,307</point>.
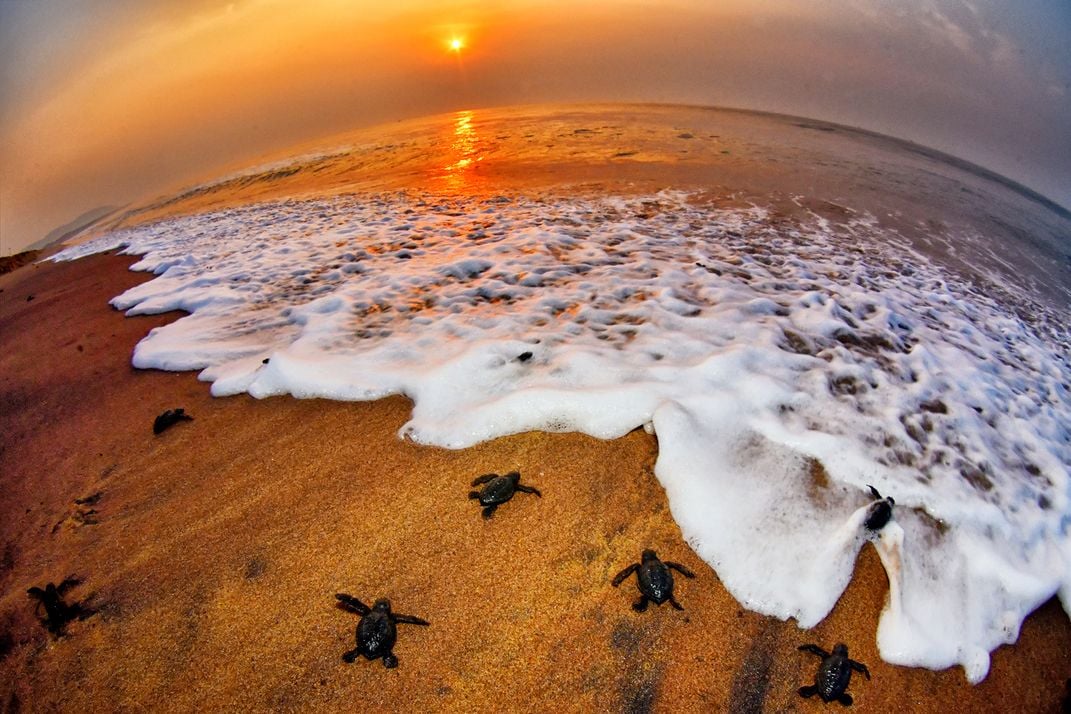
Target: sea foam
<point>784,365</point>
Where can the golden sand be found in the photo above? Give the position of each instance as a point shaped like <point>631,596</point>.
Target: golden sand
<point>217,547</point>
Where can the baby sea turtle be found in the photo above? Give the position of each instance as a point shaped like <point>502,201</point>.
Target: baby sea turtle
<point>880,511</point>
<point>169,419</point>
<point>376,631</point>
<point>833,674</point>
<point>498,489</point>
<point>57,612</point>
<point>653,579</point>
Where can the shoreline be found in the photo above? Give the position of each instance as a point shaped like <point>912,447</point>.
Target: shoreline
<point>218,547</point>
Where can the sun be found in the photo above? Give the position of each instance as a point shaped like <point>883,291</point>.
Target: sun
<point>456,44</point>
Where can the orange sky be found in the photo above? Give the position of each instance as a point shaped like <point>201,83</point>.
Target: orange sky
<point>129,98</point>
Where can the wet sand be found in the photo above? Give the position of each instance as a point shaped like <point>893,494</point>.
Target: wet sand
<point>216,548</point>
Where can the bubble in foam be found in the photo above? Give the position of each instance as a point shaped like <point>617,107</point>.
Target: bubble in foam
<point>784,365</point>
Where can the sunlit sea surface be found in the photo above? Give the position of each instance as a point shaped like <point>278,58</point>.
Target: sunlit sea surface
<point>796,310</point>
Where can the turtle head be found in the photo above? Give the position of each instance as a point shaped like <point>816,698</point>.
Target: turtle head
<point>382,605</point>
<point>841,649</point>
<point>648,555</point>
<point>514,476</point>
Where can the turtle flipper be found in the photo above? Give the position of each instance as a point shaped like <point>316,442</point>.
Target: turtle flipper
<point>348,602</point>
<point>68,583</point>
<point>813,649</point>
<point>489,511</point>
<point>351,656</point>
<point>620,577</point>
<point>390,661</point>
<point>845,699</point>
<point>679,568</point>
<point>808,691</point>
<point>641,604</point>
<point>483,479</point>
<point>674,603</point>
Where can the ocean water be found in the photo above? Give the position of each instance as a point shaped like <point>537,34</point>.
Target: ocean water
<point>784,361</point>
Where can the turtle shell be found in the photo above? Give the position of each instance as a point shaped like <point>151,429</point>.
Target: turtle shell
<point>833,676</point>
<point>655,581</point>
<point>376,634</point>
<point>498,490</point>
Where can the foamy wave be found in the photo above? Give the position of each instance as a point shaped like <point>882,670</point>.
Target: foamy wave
<point>783,363</point>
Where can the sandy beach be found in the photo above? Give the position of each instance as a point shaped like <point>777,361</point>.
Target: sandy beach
<point>213,552</point>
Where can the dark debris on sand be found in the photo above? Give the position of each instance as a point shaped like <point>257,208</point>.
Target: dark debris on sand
<point>168,419</point>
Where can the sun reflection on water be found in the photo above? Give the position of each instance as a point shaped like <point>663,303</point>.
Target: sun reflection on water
<point>464,152</point>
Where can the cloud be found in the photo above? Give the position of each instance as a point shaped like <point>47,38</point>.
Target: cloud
<point>946,30</point>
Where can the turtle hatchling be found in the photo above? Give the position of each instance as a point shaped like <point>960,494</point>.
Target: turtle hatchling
<point>880,511</point>
<point>58,612</point>
<point>833,674</point>
<point>498,489</point>
<point>376,632</point>
<point>653,579</point>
